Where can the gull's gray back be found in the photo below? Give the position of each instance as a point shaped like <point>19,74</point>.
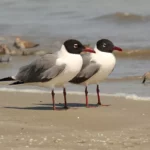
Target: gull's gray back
<point>42,69</point>
<point>89,68</point>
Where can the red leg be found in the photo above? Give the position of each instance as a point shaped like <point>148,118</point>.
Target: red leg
<point>86,96</point>
<point>65,99</point>
<point>98,97</point>
<point>53,99</point>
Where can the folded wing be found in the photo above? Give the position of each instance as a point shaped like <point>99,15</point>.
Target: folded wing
<point>41,70</point>
<point>89,68</point>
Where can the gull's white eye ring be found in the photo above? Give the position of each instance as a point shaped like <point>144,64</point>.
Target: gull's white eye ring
<point>75,46</point>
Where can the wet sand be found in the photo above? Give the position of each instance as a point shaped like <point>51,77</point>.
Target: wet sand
<point>27,121</point>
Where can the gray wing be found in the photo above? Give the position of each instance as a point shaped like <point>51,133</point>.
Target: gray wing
<point>89,68</point>
<point>40,70</point>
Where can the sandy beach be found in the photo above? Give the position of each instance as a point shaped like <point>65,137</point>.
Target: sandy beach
<point>28,122</point>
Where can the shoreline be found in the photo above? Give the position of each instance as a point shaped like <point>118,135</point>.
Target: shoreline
<point>27,90</point>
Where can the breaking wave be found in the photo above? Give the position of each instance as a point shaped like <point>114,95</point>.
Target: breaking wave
<point>128,78</point>
<point>137,53</point>
<point>123,17</point>
<point>121,95</point>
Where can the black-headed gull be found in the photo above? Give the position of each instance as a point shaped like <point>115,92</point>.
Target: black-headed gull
<point>97,67</point>
<point>53,70</point>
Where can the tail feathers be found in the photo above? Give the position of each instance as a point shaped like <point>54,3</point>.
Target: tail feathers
<point>7,79</point>
<point>17,82</point>
<point>11,79</point>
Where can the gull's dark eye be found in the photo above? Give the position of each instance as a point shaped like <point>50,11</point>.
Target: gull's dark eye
<point>75,45</point>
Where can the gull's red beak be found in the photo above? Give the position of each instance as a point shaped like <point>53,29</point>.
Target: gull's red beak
<point>117,48</point>
<point>88,49</point>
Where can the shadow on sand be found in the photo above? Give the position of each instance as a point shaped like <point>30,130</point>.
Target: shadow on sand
<point>59,106</point>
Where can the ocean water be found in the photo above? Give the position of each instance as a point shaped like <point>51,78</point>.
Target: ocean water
<point>123,21</point>
<point>50,22</point>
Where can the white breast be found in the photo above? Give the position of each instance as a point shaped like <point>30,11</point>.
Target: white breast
<point>107,63</point>
<point>73,66</point>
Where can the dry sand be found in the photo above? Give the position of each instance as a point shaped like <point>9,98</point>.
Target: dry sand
<point>27,122</point>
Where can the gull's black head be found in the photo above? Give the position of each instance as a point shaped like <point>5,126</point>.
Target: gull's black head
<point>105,45</point>
<point>76,47</point>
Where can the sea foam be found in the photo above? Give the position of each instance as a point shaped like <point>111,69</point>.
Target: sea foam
<point>123,95</point>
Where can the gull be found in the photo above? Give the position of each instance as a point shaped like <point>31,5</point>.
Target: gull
<point>53,70</point>
<point>97,66</point>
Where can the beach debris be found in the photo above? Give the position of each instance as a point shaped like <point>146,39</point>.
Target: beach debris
<point>62,135</point>
<point>81,141</point>
<point>26,146</point>
<point>31,140</point>
<point>1,137</point>
<point>22,139</point>
<point>58,140</point>
<point>45,138</point>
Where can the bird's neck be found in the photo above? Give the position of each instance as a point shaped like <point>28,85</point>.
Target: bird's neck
<point>63,51</point>
<point>99,56</point>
